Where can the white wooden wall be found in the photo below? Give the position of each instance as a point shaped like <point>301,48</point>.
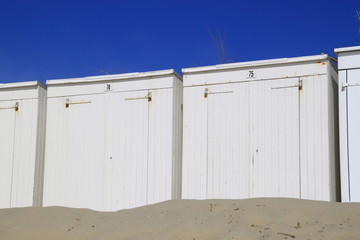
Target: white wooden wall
<point>22,145</point>
<point>353,117</point>
<point>259,138</point>
<point>256,121</point>
<point>114,149</point>
<point>349,116</point>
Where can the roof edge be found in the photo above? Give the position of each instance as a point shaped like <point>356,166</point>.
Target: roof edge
<point>347,49</point>
<point>256,63</point>
<point>113,77</point>
<point>22,84</point>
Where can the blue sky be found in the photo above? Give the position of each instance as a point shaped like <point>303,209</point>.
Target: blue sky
<point>41,40</point>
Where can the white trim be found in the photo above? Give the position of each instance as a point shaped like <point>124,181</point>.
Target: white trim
<point>256,63</point>
<point>21,84</point>
<point>347,49</point>
<point>113,77</point>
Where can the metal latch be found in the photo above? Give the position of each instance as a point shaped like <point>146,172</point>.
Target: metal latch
<point>206,93</point>
<point>299,86</point>
<point>344,85</point>
<point>68,102</point>
<point>16,107</point>
<point>148,97</point>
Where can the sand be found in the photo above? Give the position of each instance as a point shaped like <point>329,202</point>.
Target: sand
<point>261,218</point>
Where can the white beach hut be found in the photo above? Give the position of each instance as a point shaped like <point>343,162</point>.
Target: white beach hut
<point>22,135</point>
<point>349,117</point>
<point>261,129</point>
<point>114,141</point>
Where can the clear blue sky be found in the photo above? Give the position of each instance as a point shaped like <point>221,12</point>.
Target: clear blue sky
<point>42,40</point>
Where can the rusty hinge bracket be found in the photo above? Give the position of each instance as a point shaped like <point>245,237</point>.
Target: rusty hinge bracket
<point>148,97</point>
<point>207,93</point>
<point>299,86</point>
<point>16,107</point>
<point>345,85</point>
<point>68,102</point>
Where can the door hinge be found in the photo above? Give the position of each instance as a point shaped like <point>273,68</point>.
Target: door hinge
<point>207,93</point>
<point>299,86</point>
<point>68,102</point>
<point>345,85</point>
<point>148,97</point>
<point>16,107</point>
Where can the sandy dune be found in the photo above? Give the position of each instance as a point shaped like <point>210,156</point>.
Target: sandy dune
<point>262,218</point>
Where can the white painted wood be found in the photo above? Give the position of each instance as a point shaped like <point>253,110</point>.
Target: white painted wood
<point>128,161</point>
<point>219,137</point>
<point>348,57</point>
<point>83,88</point>
<point>22,118</point>
<point>20,90</point>
<point>118,147</point>
<point>7,129</point>
<point>194,173</point>
<point>343,138</point>
<point>353,117</point>
<point>75,144</point>
<point>275,136</point>
<point>160,146</point>
<point>250,130</point>
<point>316,149</point>
<point>260,63</point>
<point>349,80</point>
<point>292,67</point>
<point>116,82</point>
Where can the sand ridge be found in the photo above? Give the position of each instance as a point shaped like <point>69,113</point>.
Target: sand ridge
<point>260,218</point>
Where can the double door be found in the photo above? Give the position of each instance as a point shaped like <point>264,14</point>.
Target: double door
<point>246,140</point>
<point>114,150</point>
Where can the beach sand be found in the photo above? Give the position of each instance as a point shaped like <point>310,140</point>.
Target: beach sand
<point>260,218</point>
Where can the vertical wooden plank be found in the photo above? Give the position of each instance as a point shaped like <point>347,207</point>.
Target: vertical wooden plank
<point>121,166</point>
<point>7,126</point>
<point>75,153</point>
<point>220,141</point>
<point>292,139</point>
<point>24,149</point>
<point>136,147</point>
<point>354,134</point>
<point>319,165</point>
<point>195,144</point>
<point>268,128</point>
<point>160,145</point>
<point>343,137</point>
<point>275,117</point>
<point>201,135</point>
<point>212,137</point>
<point>231,188</point>
<point>306,139</point>
<point>311,139</point>
<point>188,145</point>
<point>258,98</point>
<point>243,132</point>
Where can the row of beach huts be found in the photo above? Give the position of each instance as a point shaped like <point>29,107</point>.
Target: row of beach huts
<point>285,127</point>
